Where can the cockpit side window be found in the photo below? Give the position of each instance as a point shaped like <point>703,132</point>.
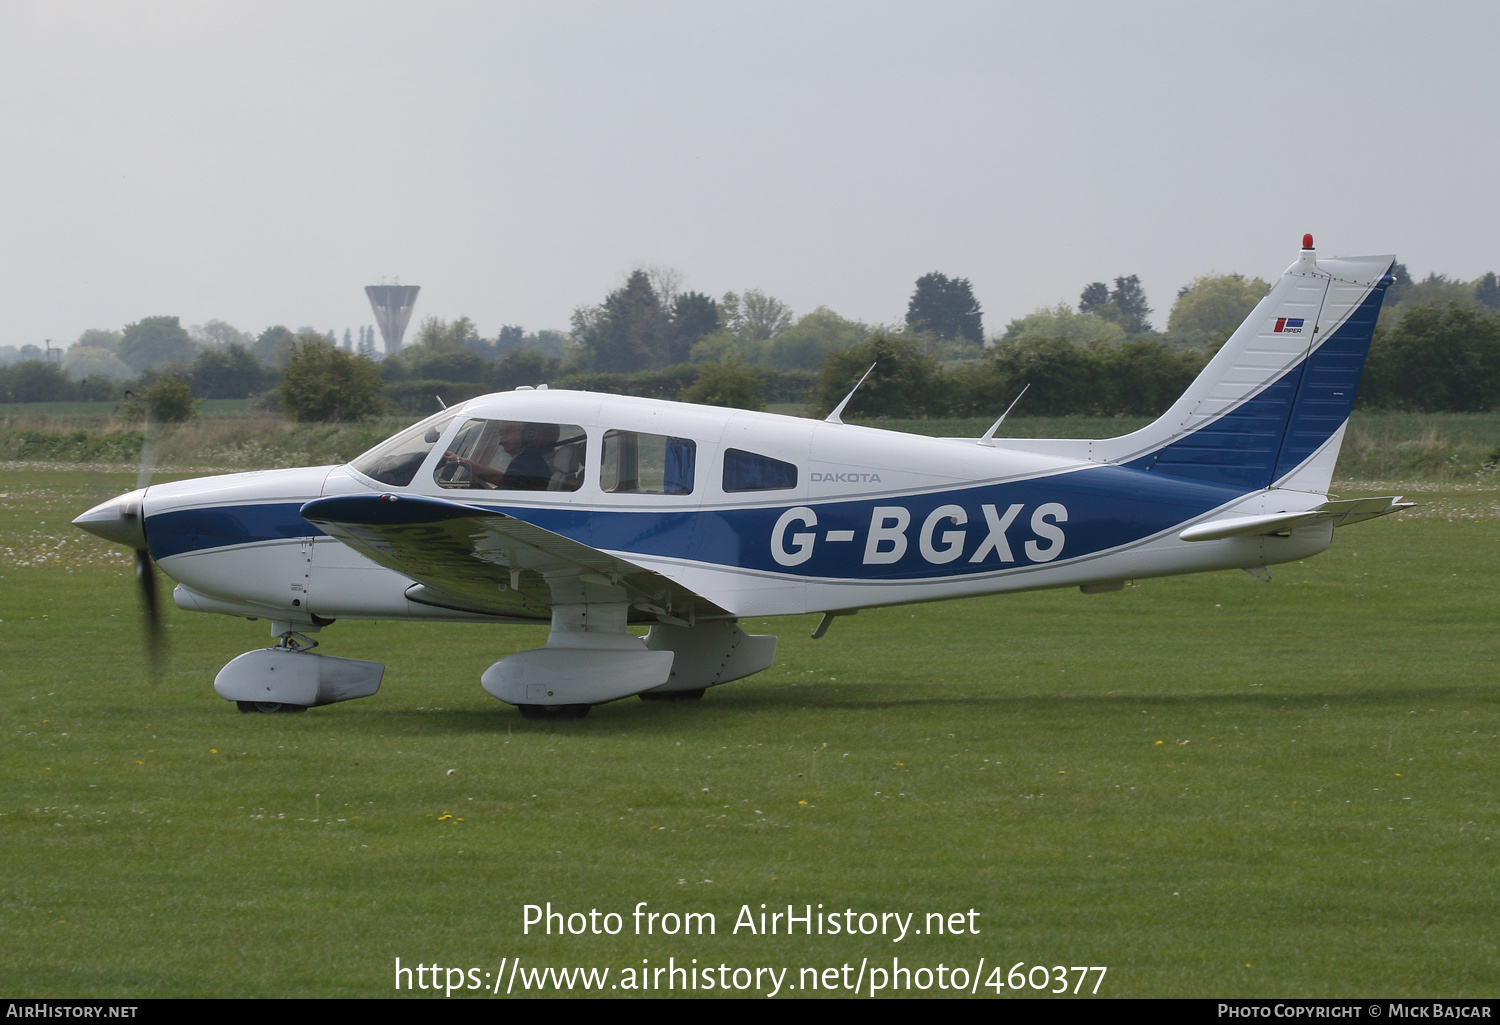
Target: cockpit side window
<point>514,455</point>
<point>395,461</point>
<point>746,471</point>
<point>647,464</point>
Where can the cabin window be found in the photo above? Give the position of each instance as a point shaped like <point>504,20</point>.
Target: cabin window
<point>746,471</point>
<point>395,461</point>
<point>647,464</point>
<point>514,455</point>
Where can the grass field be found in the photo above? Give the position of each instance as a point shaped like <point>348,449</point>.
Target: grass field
<point>1456,447</point>
<point>210,408</point>
<point>1209,785</point>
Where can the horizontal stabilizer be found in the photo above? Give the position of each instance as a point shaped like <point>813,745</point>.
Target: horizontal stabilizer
<point>1340,512</point>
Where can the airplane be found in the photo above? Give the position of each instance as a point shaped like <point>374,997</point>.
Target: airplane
<point>598,513</point>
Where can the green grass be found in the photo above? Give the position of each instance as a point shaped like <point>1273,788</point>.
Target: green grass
<point>204,445</point>
<point>1015,426</point>
<point>1457,447</point>
<point>1210,785</point>
<point>210,408</point>
<point>1378,445</point>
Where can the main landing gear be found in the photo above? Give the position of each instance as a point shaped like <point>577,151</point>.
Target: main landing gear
<point>579,711</point>
<point>553,711</point>
<point>591,658</point>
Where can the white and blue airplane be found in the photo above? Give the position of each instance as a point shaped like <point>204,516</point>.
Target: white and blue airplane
<point>596,513</point>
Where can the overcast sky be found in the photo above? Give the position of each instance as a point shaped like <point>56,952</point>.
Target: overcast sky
<point>261,162</point>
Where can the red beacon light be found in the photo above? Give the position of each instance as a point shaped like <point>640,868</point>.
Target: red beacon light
<point>1307,241</point>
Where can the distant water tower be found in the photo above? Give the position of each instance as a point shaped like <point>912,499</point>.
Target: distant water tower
<point>392,305</point>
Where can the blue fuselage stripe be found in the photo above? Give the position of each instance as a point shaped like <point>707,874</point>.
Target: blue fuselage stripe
<point>987,527</point>
<point>192,530</point>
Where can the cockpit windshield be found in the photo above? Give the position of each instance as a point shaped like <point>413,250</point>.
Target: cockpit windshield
<point>396,460</point>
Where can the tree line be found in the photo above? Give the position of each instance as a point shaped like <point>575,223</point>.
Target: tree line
<point>1436,348</point>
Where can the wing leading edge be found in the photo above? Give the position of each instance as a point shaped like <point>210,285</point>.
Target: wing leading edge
<point>483,560</point>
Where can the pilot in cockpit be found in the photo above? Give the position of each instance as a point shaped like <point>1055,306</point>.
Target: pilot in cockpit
<point>530,447</point>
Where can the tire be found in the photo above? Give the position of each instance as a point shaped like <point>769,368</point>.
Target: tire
<point>269,707</point>
<point>554,711</point>
<point>673,695</point>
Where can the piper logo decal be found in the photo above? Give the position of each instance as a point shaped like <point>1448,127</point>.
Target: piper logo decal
<point>1289,325</point>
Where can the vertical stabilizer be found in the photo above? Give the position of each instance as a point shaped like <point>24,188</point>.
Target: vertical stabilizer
<point>1271,407</point>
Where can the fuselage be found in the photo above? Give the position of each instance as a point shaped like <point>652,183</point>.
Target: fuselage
<point>762,514</point>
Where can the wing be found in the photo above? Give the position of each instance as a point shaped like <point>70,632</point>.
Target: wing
<point>1342,513</point>
<point>479,560</point>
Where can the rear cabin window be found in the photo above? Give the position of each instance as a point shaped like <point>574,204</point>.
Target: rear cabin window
<point>514,455</point>
<point>647,464</point>
<point>746,471</point>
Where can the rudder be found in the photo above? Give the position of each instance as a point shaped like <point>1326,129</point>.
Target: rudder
<point>1271,407</point>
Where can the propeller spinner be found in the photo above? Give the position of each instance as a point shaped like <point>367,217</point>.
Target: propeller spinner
<point>123,520</point>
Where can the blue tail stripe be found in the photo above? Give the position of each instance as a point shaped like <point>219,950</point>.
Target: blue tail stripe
<point>1274,431</point>
<point>1328,385</point>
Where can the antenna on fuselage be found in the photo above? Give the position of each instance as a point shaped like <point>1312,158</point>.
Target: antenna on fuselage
<point>988,441</point>
<point>833,418</point>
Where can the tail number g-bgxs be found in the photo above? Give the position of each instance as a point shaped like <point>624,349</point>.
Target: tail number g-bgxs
<point>886,538</point>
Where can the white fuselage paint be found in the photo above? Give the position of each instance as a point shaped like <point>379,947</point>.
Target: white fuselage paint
<point>997,546</point>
